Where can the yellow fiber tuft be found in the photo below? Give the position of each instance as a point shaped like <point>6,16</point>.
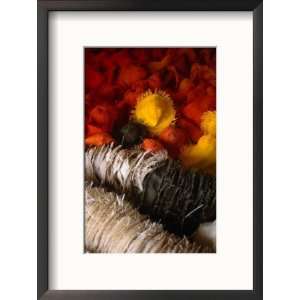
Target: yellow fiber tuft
<point>208,123</point>
<point>155,111</point>
<point>202,156</point>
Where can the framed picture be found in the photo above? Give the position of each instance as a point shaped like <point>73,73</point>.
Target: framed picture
<point>150,149</point>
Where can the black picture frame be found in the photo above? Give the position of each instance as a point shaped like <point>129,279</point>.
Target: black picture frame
<point>43,8</point>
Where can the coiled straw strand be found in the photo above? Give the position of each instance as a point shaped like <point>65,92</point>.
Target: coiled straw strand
<point>162,189</point>
<point>114,226</point>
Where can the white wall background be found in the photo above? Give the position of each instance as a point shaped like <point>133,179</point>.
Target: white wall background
<point>18,149</point>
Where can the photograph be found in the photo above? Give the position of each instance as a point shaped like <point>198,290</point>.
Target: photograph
<point>150,150</point>
<point>150,122</point>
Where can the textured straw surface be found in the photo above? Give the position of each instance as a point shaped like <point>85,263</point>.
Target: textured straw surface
<point>123,169</point>
<point>114,226</point>
<point>162,189</point>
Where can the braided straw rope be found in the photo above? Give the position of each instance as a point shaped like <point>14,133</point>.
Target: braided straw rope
<point>113,226</point>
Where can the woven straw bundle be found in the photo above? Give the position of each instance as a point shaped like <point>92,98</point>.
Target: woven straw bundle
<point>114,226</point>
<point>157,186</point>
